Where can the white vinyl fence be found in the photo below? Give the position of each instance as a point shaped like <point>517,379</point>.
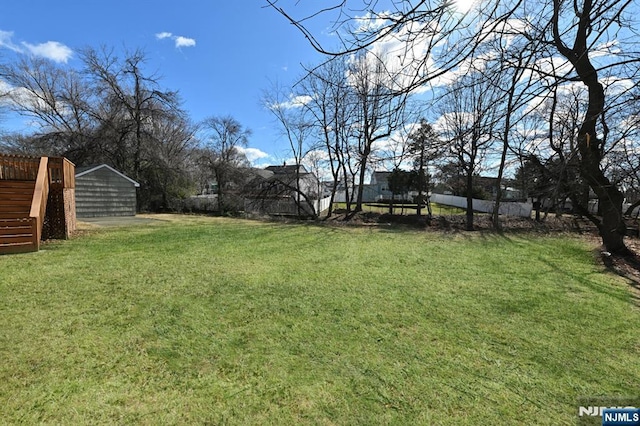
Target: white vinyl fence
<point>321,205</point>
<point>508,208</point>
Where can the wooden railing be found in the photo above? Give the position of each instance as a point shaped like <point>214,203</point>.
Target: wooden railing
<point>61,172</point>
<point>18,167</point>
<point>61,211</point>
<point>39,202</point>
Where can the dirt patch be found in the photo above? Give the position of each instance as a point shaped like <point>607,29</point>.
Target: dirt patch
<point>457,223</point>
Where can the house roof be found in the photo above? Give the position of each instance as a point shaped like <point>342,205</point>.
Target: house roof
<point>263,173</point>
<point>81,171</point>
<point>286,169</point>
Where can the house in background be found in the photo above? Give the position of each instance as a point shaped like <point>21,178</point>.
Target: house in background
<point>104,191</point>
<point>283,190</point>
<point>378,189</point>
<point>309,183</point>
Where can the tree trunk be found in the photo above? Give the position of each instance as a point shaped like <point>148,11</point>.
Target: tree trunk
<point>347,192</point>
<point>421,189</point>
<point>469,216</point>
<point>612,227</point>
<point>332,197</point>
<point>298,190</point>
<point>220,193</point>
<point>361,184</point>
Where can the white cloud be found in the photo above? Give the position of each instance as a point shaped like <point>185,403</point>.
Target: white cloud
<point>53,50</point>
<point>19,97</point>
<point>252,154</point>
<point>295,102</point>
<point>5,90</point>
<point>606,49</point>
<point>372,22</point>
<point>6,41</point>
<point>405,53</point>
<point>616,85</point>
<point>180,41</point>
<point>464,6</point>
<point>184,42</point>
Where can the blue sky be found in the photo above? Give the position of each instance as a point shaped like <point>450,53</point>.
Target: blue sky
<point>219,55</point>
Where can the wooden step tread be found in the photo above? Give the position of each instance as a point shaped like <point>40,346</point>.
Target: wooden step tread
<point>12,216</point>
<point>16,209</point>
<point>16,195</point>
<point>15,198</point>
<point>16,239</point>
<point>16,192</point>
<point>9,185</point>
<point>15,230</point>
<point>18,248</point>
<point>20,194</point>
<point>11,220</point>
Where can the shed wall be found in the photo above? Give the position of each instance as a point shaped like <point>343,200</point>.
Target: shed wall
<point>104,193</point>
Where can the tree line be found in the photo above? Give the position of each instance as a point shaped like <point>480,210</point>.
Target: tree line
<point>112,110</point>
<point>543,91</point>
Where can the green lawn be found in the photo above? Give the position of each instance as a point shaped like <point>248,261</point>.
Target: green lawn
<point>208,320</point>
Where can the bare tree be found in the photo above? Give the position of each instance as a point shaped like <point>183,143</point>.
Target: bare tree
<point>468,121</point>
<point>581,32</point>
<point>509,73</point>
<point>378,111</point>
<point>223,138</point>
<point>330,110</point>
<point>290,115</point>
<point>133,96</point>
<point>573,34</point>
<point>169,172</point>
<point>110,111</point>
<point>58,101</point>
<point>419,41</point>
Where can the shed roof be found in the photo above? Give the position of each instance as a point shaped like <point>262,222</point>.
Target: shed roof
<point>86,170</point>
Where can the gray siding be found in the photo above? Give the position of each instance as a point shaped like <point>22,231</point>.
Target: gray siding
<point>104,193</point>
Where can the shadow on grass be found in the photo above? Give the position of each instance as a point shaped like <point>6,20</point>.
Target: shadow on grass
<point>626,266</point>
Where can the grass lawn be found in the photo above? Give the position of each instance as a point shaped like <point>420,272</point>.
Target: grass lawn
<point>209,320</point>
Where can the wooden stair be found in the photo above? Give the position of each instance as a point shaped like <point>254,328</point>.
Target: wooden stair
<point>16,227</point>
<point>37,201</point>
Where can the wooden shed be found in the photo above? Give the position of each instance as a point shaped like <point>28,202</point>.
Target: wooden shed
<point>104,191</point>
